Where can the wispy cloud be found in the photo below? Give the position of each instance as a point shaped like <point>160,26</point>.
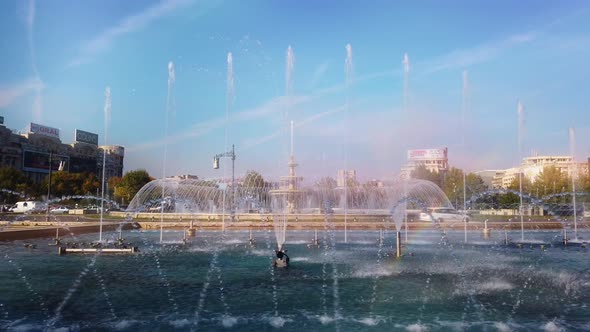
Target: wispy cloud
<point>129,24</point>
<point>250,143</point>
<point>9,94</point>
<point>318,74</point>
<point>462,58</point>
<point>274,106</point>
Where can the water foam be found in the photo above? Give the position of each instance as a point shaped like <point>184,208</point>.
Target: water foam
<point>179,323</point>
<point>416,328</point>
<point>495,285</point>
<point>300,259</point>
<point>277,321</point>
<point>369,321</point>
<point>228,321</point>
<point>552,327</point>
<point>325,319</point>
<point>125,324</point>
<point>502,327</point>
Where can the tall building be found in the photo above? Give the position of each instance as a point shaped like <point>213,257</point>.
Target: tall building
<point>531,167</point>
<point>33,152</point>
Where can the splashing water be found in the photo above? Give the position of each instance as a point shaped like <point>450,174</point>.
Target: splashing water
<point>171,79</point>
<point>290,66</point>
<point>280,225</point>
<point>349,74</point>
<point>573,172</point>
<point>520,113</point>
<point>107,119</point>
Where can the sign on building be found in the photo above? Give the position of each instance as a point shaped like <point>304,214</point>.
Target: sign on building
<point>424,154</point>
<point>86,137</point>
<point>44,130</point>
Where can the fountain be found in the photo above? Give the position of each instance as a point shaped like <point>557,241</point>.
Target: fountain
<point>224,280</point>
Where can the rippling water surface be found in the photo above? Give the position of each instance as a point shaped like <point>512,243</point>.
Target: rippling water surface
<point>220,282</point>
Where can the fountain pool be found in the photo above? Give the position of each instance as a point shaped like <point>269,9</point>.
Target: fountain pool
<point>220,281</point>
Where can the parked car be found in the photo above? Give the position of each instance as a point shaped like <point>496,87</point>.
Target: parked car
<point>441,214</point>
<point>59,210</point>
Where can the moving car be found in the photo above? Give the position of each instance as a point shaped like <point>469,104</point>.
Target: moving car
<point>442,214</point>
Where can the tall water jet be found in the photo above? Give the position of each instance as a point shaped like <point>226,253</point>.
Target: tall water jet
<point>349,74</point>
<point>573,175</point>
<point>406,63</point>
<point>464,109</point>
<point>107,119</point>
<point>171,79</point>
<point>228,103</point>
<point>289,67</point>
<point>520,113</point>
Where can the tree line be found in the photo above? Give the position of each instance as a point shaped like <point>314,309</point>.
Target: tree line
<point>16,186</point>
<point>551,185</point>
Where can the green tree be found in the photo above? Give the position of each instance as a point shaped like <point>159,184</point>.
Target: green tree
<point>327,186</point>
<point>421,172</point>
<point>453,186</point>
<point>130,184</point>
<point>113,183</point>
<point>551,181</point>
<point>90,183</point>
<point>13,180</point>
<point>511,200</point>
<point>326,183</point>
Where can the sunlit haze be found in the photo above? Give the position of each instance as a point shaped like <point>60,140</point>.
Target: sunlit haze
<point>166,63</point>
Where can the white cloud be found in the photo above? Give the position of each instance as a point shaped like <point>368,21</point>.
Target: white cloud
<point>462,58</point>
<point>249,143</point>
<point>9,94</point>
<point>273,106</point>
<point>127,25</point>
<point>318,74</point>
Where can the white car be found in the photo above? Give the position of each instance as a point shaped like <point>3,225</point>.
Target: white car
<point>59,210</point>
<point>442,214</point>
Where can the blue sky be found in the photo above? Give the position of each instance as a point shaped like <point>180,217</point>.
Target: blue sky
<point>58,57</point>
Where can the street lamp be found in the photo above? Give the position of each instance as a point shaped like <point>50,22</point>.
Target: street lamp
<point>229,154</point>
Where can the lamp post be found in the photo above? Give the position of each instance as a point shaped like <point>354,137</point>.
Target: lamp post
<point>61,167</point>
<point>229,154</point>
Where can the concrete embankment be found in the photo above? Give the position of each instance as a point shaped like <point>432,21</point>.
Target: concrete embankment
<point>23,230</point>
<point>35,226</point>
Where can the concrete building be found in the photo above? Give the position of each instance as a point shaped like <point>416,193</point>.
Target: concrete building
<point>435,160</point>
<point>32,152</point>
<point>114,161</point>
<point>531,167</point>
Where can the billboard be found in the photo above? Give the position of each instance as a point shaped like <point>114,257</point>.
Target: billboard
<point>86,137</point>
<point>34,161</point>
<point>424,154</point>
<point>44,130</point>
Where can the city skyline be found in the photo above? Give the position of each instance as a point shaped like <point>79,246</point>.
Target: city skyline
<point>528,52</point>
